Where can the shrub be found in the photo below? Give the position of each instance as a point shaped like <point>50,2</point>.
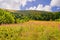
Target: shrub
<point>57,20</point>
<point>6,17</point>
<point>10,33</point>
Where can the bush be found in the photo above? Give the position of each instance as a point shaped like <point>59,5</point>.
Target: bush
<point>57,20</point>
<point>6,17</point>
<point>17,20</point>
<point>10,33</point>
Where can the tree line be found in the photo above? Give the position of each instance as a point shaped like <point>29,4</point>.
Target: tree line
<point>7,17</point>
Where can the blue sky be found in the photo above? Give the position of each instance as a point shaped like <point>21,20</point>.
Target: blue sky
<point>36,3</point>
<point>43,2</point>
<point>42,5</point>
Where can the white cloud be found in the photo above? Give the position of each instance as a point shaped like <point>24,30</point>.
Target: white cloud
<point>55,3</point>
<point>40,7</point>
<point>23,2</point>
<point>1,0</point>
<point>31,8</point>
<point>13,4</point>
<point>46,7</point>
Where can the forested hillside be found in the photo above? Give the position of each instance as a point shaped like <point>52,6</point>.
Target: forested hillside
<point>39,15</point>
<point>17,16</point>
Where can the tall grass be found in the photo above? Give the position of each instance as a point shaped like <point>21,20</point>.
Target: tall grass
<point>29,33</point>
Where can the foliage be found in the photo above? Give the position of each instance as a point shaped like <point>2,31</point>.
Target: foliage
<point>29,33</point>
<point>39,15</point>
<point>10,33</point>
<point>57,20</point>
<point>7,17</point>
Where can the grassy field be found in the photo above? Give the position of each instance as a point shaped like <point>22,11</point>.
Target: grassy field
<point>32,30</point>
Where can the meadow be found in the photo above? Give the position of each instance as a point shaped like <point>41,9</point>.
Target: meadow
<point>29,25</point>
<point>32,30</point>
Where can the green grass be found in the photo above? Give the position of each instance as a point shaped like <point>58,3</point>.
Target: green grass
<point>29,33</point>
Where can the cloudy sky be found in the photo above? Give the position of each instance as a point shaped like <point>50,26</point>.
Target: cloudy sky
<point>43,5</point>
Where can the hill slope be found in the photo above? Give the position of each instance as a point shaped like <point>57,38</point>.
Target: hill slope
<point>17,16</point>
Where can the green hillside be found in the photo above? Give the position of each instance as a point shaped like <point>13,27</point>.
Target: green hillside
<point>19,16</point>
<point>39,15</point>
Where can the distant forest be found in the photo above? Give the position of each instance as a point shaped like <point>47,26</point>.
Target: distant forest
<point>11,16</point>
